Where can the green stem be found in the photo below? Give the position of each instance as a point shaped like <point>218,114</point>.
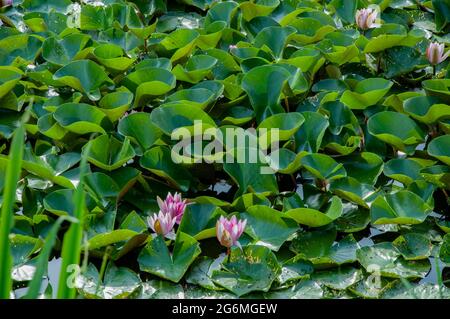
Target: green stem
<point>103,267</point>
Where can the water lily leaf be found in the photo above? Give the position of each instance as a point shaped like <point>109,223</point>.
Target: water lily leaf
<point>198,97</point>
<point>161,289</point>
<point>139,128</point>
<point>365,167</point>
<point>9,77</point>
<point>252,269</point>
<point>305,289</point>
<point>415,291</point>
<point>119,283</point>
<point>314,244</point>
<point>315,218</point>
<point>263,85</point>
<point>102,187</point>
<point>156,259</point>
<point>85,76</point>
<point>390,35</point>
<point>25,47</point>
<point>275,38</point>
<point>149,82</point>
<point>284,161</point>
<point>196,69</point>
<point>238,115</point>
<point>158,160</point>
<point>60,202</point>
<point>285,123</point>
<point>403,207</point>
<point>352,190</point>
<point>245,201</point>
<point>353,219</point>
<point>251,9</point>
<point>338,279</point>
<point>48,126</point>
<point>169,118</point>
<point>82,118</point>
<point>201,272</point>
<point>310,30</point>
<point>440,148</point>
<point>111,57</point>
<point>22,248</point>
<point>309,136</point>
<point>323,166</point>
<point>426,109</point>
<point>198,218</point>
<point>295,269</point>
<point>109,238</point>
<point>438,88</point>
<point>115,104</point>
<point>396,129</point>
<point>403,170</point>
<point>346,9</point>
<point>366,93</point>
<point>268,227</point>
<point>444,251</point>
<point>63,51</point>
<point>109,153</point>
<point>254,177</point>
<point>442,13</point>
<point>413,246</point>
<point>384,259</point>
<point>437,174</point>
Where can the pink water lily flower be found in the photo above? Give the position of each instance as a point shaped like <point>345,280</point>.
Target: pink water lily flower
<point>6,3</point>
<point>366,18</point>
<point>161,223</point>
<point>435,53</point>
<point>229,231</point>
<point>173,205</point>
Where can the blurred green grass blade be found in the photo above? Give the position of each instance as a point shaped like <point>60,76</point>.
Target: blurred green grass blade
<point>42,263</point>
<point>9,197</point>
<point>71,249</point>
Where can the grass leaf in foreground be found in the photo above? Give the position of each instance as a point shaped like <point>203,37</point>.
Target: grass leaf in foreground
<point>71,248</point>
<point>9,196</point>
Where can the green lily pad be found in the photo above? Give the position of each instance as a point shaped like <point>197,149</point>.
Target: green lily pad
<point>115,104</point>
<point>413,246</point>
<point>82,118</point>
<point>396,129</point>
<point>268,227</point>
<point>109,153</point>
<point>440,148</point>
<point>366,93</point>
<point>384,259</point>
<point>119,283</point>
<point>197,68</point>
<point>252,269</point>
<point>264,85</point>
<point>139,128</point>
<point>426,109</point>
<point>158,161</point>
<point>85,76</point>
<point>403,207</point>
<point>156,259</point>
<point>315,218</point>
<point>323,166</point>
<point>9,77</point>
<point>403,170</point>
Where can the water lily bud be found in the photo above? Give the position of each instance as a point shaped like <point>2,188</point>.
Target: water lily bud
<point>229,231</point>
<point>6,3</point>
<point>435,53</point>
<point>173,205</point>
<point>366,18</point>
<point>161,223</point>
